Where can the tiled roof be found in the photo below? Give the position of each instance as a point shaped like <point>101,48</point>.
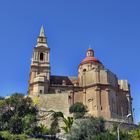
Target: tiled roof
<point>90,59</point>
<point>58,80</point>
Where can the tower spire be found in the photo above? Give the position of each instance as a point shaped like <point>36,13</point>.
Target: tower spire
<point>42,40</point>
<point>42,32</point>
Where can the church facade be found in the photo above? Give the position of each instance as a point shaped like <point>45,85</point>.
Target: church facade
<point>95,86</point>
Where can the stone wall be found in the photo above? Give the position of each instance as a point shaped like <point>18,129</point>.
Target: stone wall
<point>124,126</point>
<point>56,102</point>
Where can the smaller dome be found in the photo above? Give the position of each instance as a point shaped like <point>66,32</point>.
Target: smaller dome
<point>90,57</point>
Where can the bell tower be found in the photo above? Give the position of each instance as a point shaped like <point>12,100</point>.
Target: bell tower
<point>39,78</point>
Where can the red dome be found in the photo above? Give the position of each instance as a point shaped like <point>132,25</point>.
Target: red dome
<point>90,59</point>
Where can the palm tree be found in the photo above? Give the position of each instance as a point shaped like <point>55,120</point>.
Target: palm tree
<point>68,124</point>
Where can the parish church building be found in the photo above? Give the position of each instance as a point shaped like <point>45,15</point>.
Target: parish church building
<point>95,86</point>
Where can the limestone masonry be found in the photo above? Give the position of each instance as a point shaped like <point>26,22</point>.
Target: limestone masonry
<point>95,86</point>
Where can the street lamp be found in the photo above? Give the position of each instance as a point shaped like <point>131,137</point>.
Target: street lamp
<point>118,128</point>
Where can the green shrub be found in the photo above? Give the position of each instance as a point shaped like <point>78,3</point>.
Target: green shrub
<point>5,135</point>
<point>78,109</point>
<point>103,136</point>
<point>136,134</point>
<point>41,129</point>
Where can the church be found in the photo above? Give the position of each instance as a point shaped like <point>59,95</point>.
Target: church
<point>95,86</point>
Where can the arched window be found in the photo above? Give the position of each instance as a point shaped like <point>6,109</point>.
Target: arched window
<point>84,70</point>
<point>41,56</point>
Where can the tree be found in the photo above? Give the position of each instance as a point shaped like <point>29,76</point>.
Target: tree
<point>13,110</point>
<point>139,125</point>
<point>1,98</point>
<point>87,129</point>
<point>68,124</point>
<point>136,134</point>
<point>103,136</point>
<point>15,125</point>
<point>29,123</point>
<point>78,109</point>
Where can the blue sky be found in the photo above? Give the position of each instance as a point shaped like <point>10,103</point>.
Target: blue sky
<point>111,27</point>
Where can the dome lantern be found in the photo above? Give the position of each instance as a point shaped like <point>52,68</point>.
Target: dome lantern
<point>90,52</point>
